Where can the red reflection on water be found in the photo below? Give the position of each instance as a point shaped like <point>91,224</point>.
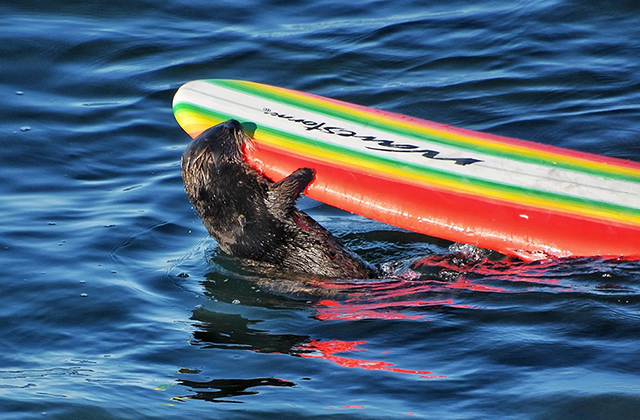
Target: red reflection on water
<point>542,272</point>
<point>327,350</point>
<point>462,283</point>
<point>329,310</point>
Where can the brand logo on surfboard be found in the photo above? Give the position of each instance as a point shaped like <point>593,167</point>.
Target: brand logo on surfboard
<point>380,144</point>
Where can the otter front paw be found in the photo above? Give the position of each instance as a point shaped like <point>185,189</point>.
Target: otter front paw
<point>283,195</point>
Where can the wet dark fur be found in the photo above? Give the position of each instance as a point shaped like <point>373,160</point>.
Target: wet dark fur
<point>253,218</point>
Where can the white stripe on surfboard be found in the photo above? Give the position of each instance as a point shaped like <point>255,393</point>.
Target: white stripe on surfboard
<point>251,108</point>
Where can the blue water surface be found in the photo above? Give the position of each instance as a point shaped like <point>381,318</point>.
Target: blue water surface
<point>116,304</point>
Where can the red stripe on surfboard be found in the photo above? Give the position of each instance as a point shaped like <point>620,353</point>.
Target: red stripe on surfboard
<point>489,223</point>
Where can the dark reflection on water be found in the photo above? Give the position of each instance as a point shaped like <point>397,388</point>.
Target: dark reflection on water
<point>227,388</point>
<point>232,331</point>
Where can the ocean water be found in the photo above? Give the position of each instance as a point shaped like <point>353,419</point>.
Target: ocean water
<point>115,304</point>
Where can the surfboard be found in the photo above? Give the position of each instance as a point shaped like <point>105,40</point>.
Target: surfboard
<point>517,197</point>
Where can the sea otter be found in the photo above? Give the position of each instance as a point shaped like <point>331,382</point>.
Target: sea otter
<point>255,219</point>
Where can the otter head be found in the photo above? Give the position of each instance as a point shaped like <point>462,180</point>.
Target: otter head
<point>218,145</point>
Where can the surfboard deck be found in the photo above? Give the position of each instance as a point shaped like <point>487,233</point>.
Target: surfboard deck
<point>513,196</point>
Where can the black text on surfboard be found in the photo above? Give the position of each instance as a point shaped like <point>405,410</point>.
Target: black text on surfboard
<point>380,144</point>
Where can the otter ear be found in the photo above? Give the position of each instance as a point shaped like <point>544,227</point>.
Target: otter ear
<point>282,196</point>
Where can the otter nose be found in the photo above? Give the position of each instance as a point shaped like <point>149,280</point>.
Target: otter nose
<point>233,125</point>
